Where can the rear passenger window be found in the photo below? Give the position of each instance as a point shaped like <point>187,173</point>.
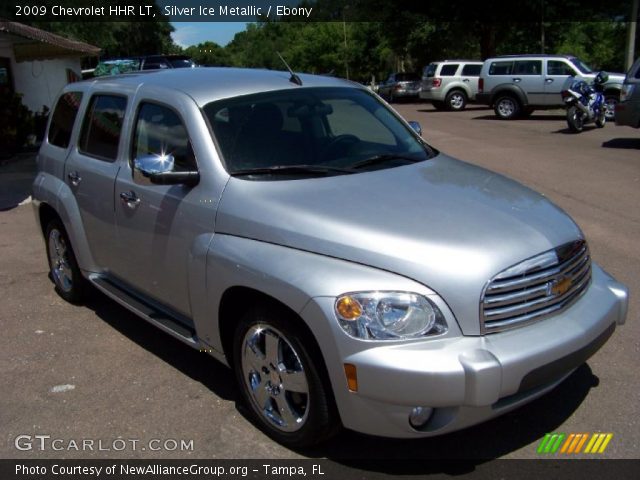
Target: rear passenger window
<point>102,126</point>
<point>471,70</point>
<point>528,67</point>
<point>501,68</point>
<point>64,116</point>
<point>160,131</point>
<point>449,70</point>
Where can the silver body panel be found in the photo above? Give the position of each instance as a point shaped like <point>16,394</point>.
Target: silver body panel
<point>440,228</point>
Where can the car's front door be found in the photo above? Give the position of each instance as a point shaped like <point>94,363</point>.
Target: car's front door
<point>158,225</point>
<point>557,73</point>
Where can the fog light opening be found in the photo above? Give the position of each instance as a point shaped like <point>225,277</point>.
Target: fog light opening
<point>419,417</point>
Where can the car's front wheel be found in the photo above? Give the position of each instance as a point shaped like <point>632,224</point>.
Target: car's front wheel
<point>63,267</point>
<point>506,107</point>
<point>280,379</point>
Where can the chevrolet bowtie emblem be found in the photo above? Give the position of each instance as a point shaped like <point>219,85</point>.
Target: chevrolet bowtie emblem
<point>559,286</point>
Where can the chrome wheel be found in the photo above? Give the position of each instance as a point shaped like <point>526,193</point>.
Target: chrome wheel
<point>59,261</point>
<point>457,101</point>
<point>610,108</point>
<point>275,378</point>
<point>506,107</point>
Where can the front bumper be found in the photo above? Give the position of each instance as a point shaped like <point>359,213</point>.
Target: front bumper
<point>466,380</point>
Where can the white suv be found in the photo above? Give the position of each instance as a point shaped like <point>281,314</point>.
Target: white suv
<point>450,84</point>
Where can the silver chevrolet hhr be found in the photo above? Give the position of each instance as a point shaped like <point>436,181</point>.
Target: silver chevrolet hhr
<point>300,231</point>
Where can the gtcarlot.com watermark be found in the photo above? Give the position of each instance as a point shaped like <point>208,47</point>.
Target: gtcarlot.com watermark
<point>50,443</point>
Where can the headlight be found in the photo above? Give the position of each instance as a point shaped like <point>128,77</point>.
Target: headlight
<point>388,315</point>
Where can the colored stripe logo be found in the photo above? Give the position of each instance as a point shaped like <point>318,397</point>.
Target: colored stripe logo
<point>574,443</point>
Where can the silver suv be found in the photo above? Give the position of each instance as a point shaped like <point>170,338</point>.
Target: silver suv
<point>300,231</point>
<point>450,84</point>
<point>628,110</point>
<point>516,85</point>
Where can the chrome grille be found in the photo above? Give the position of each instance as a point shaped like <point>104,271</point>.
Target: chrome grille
<point>536,288</point>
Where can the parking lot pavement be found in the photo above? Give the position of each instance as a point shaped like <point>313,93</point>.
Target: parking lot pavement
<point>97,372</point>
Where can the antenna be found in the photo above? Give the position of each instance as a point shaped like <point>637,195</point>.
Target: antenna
<point>294,78</point>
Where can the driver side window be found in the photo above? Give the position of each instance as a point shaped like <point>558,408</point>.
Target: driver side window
<point>159,131</point>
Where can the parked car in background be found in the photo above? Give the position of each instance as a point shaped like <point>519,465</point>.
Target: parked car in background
<point>628,110</point>
<point>400,85</point>
<point>117,66</point>
<point>300,231</point>
<point>450,84</point>
<point>516,85</point>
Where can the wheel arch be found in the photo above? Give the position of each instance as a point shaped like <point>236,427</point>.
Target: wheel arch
<point>511,90</point>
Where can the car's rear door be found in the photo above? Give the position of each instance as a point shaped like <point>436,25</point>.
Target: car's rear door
<point>470,75</point>
<point>91,169</point>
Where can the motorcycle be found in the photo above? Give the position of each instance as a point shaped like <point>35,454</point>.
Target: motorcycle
<point>585,103</point>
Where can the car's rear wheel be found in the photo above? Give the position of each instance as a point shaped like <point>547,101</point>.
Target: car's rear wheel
<point>456,100</point>
<point>610,102</point>
<point>506,107</point>
<point>63,267</point>
<point>280,379</point>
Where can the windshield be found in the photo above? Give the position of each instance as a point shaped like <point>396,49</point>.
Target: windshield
<point>311,131</point>
<point>580,65</point>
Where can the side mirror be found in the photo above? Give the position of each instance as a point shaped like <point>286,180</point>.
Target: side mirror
<point>159,170</point>
<point>416,127</point>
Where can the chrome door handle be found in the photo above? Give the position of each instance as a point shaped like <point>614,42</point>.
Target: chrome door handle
<point>130,199</point>
<point>549,80</point>
<point>516,80</point>
<point>74,178</point>
<point>466,80</point>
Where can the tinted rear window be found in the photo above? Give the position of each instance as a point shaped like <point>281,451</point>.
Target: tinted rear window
<point>501,68</point>
<point>449,70</point>
<point>102,126</point>
<point>528,67</point>
<point>430,70</point>
<point>64,116</point>
<point>471,70</point>
<point>407,77</point>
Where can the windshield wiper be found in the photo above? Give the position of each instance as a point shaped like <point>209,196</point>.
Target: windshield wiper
<point>376,159</point>
<point>292,169</point>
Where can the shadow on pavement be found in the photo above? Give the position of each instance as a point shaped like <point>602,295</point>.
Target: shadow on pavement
<point>476,445</point>
<point>625,143</point>
<point>16,176</point>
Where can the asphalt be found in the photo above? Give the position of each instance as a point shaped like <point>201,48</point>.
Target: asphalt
<point>97,372</point>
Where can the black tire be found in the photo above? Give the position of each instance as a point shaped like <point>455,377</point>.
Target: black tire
<point>301,414</point>
<point>610,102</point>
<point>601,121</point>
<point>438,105</point>
<point>575,120</point>
<point>63,267</point>
<point>507,107</point>
<point>456,100</point>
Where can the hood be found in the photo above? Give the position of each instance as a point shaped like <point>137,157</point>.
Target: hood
<point>444,223</point>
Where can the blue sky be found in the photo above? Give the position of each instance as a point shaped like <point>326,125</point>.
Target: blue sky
<point>192,33</point>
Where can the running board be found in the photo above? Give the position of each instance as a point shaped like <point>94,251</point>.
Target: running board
<point>151,314</point>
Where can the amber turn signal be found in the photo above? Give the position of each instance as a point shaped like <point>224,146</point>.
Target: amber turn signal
<point>352,377</point>
<point>348,308</point>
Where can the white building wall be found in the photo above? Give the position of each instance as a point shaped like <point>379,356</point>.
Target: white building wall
<point>41,80</point>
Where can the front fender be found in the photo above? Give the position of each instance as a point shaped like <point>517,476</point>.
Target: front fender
<point>291,276</point>
<point>49,189</point>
